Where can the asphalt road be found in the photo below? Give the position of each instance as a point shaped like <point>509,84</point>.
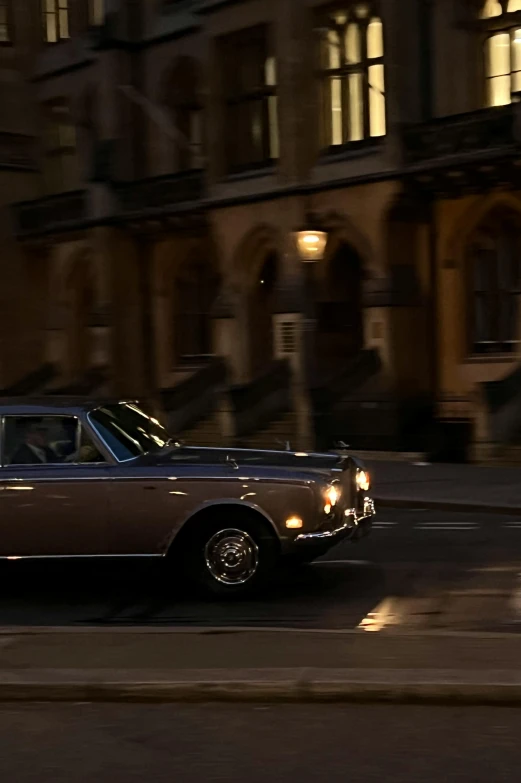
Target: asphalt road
<point>232,744</point>
<point>420,570</point>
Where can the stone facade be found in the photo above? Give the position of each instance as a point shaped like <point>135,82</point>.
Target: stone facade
<point>135,234</point>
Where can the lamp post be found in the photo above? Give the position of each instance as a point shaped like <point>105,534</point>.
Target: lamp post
<point>311,244</point>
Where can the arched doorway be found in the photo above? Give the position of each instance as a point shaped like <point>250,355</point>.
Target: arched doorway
<point>260,314</point>
<point>195,289</point>
<point>339,310</point>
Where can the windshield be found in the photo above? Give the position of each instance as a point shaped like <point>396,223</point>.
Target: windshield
<point>127,430</point>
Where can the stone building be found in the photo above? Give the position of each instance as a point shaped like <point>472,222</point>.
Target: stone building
<point>156,157</point>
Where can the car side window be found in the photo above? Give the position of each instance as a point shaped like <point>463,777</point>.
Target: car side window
<point>46,440</point>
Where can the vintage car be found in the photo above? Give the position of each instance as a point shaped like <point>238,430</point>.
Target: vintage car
<point>91,479</point>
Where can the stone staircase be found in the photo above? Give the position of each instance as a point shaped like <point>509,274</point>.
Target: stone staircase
<point>206,432</point>
<point>275,436</point>
<point>505,456</point>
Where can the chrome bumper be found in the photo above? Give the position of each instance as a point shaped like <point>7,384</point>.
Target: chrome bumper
<point>353,519</point>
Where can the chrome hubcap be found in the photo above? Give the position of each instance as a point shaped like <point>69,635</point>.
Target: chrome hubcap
<point>232,556</point>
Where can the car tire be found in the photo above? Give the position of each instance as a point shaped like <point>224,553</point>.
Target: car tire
<point>230,557</point>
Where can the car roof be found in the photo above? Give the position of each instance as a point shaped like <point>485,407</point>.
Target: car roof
<point>58,405</point>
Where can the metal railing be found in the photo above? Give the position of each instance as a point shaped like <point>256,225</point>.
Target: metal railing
<point>463,137</point>
<point>196,397</point>
<point>50,213</point>
<point>160,193</point>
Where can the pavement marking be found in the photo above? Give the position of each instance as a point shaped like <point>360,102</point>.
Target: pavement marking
<point>343,562</point>
<point>382,615</point>
<point>445,526</point>
<point>448,529</point>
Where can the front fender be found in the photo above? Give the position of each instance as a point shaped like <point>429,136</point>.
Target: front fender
<point>222,502</point>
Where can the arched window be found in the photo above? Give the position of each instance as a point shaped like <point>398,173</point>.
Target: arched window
<point>494,266</point>
<point>352,75</point>
<point>502,20</point>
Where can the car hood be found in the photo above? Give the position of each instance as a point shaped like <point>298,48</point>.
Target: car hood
<point>251,458</point>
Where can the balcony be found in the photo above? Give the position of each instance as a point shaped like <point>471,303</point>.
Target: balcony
<point>480,136</point>
<point>159,196</point>
<point>62,212</point>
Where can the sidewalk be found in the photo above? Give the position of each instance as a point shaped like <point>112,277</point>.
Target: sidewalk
<point>447,487</point>
<point>165,665</point>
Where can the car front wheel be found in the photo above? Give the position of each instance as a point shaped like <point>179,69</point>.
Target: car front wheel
<point>232,558</point>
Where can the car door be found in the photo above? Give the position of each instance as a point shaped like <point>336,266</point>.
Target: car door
<point>54,508</point>
<point>144,507</point>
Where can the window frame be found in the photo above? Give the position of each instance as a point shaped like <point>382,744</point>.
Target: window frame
<point>6,5</point>
<point>81,425</point>
<point>506,23</point>
<point>95,7</point>
<point>100,437</point>
<point>62,153</point>
<point>261,36</point>
<point>494,294</point>
<point>325,74</point>
<point>59,7</point>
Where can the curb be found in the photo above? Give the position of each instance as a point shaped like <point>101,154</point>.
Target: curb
<point>405,687</point>
<point>447,505</point>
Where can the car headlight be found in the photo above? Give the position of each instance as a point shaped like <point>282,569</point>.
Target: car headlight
<point>331,497</point>
<point>363,480</point>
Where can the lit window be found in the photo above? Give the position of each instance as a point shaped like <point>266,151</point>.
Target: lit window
<point>491,8</point>
<point>502,51</point>
<point>5,26</point>
<point>353,76</point>
<point>96,12</point>
<point>55,20</point>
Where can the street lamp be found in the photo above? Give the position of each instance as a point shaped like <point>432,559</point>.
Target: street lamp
<point>311,245</point>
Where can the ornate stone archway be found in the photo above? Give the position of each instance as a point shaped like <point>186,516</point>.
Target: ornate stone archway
<point>256,270</point>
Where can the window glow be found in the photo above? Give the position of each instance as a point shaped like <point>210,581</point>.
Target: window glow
<point>354,78</point>
<point>376,100</point>
<point>55,20</point>
<point>97,12</point>
<point>356,107</point>
<point>498,66</point>
<point>491,8</point>
<point>375,39</point>
<point>353,44</point>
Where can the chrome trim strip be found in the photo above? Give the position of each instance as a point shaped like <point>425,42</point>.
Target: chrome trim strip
<point>353,520</point>
<point>102,439</point>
